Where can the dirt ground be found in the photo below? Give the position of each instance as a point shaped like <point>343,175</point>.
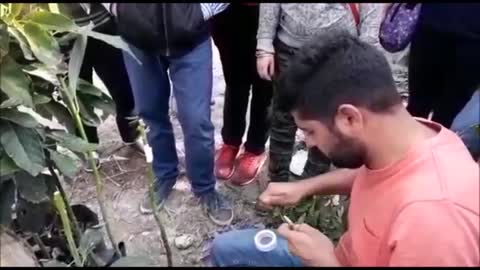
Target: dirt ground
<point>125,184</point>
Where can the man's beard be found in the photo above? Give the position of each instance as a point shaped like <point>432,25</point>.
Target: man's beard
<point>347,153</point>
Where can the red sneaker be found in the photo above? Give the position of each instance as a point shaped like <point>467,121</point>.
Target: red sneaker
<point>225,161</point>
<point>249,166</point>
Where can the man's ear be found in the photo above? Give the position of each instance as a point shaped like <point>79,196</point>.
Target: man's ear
<point>348,119</point>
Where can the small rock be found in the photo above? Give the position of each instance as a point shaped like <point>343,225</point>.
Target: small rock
<point>184,241</point>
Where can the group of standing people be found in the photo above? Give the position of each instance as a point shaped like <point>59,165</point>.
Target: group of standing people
<point>263,49</point>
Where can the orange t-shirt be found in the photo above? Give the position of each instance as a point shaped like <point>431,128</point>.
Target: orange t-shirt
<point>421,211</point>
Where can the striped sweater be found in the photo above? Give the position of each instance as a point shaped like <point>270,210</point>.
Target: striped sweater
<point>294,24</point>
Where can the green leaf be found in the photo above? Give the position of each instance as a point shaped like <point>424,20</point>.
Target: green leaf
<point>64,163</point>
<point>87,112</point>
<point>75,62</point>
<point>311,210</point>
<point>7,198</point>
<point>72,142</point>
<point>59,111</point>
<point>303,207</point>
<point>88,88</point>
<point>23,146</point>
<point>301,219</point>
<point>20,118</point>
<point>44,73</point>
<point>15,10</point>
<point>133,261</point>
<point>9,103</point>
<point>40,99</point>
<point>115,41</point>
<point>7,165</point>
<point>44,47</point>
<point>32,189</point>
<point>67,39</point>
<point>14,83</point>
<point>51,21</point>
<point>103,103</point>
<point>22,42</point>
<point>4,39</point>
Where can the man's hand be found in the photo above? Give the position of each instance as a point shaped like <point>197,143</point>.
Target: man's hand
<point>310,245</point>
<point>266,66</point>
<point>282,194</point>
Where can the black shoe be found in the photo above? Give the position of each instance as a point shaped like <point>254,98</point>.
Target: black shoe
<point>218,209</point>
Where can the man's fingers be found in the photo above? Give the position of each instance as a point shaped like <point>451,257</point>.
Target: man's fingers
<point>271,68</point>
<point>266,76</point>
<point>263,206</point>
<point>272,199</point>
<point>304,228</point>
<point>285,231</point>
<point>264,73</point>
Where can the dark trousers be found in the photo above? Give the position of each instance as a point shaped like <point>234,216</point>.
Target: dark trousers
<point>282,138</point>
<point>444,71</point>
<point>109,66</point>
<point>234,33</point>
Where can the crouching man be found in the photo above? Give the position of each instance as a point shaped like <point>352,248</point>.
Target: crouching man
<point>173,43</point>
<point>414,187</point>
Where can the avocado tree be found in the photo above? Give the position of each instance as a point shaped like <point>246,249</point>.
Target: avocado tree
<point>44,106</point>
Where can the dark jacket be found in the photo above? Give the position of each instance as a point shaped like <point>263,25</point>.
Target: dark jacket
<point>462,20</point>
<point>98,14</point>
<point>171,29</point>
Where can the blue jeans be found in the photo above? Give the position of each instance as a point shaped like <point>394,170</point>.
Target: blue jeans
<point>237,248</point>
<point>191,76</point>
<point>465,125</point>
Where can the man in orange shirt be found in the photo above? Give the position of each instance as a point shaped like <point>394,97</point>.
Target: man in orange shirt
<point>414,187</point>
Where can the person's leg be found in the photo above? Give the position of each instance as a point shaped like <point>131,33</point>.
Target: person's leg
<point>237,248</point>
<point>227,35</point>
<point>317,163</point>
<point>259,126</point>
<point>461,80</point>
<point>192,85</point>
<point>466,125</point>
<point>86,73</point>
<point>283,132</point>
<point>283,128</point>
<point>252,159</point>
<point>109,65</point>
<point>427,62</point>
<point>151,90</point>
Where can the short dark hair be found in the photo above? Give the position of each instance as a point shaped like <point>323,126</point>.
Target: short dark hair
<point>336,68</point>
